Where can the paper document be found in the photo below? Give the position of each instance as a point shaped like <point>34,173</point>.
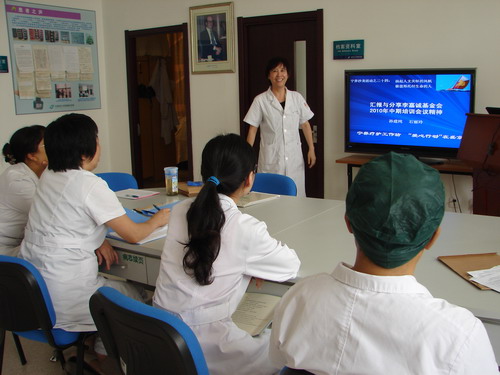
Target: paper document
<point>155,235</point>
<point>489,277</point>
<point>135,193</point>
<point>255,198</point>
<point>465,263</point>
<point>255,312</point>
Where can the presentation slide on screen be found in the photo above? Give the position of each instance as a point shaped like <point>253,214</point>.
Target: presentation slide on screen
<point>417,110</point>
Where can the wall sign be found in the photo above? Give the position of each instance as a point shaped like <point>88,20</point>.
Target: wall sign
<point>349,49</point>
<point>54,58</point>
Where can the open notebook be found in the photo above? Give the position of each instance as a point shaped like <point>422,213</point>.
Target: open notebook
<point>256,309</point>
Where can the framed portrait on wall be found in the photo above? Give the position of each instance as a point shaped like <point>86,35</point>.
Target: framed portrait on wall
<point>212,38</point>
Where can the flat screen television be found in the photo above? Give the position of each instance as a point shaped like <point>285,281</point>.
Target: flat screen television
<point>417,111</point>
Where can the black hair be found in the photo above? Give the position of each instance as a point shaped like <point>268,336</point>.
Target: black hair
<point>230,159</point>
<point>23,142</point>
<point>68,139</point>
<point>274,62</point>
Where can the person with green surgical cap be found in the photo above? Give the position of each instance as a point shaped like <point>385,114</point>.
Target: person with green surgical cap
<point>374,317</point>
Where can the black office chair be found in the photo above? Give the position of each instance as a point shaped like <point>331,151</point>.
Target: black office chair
<point>144,339</point>
<point>292,371</point>
<point>27,311</point>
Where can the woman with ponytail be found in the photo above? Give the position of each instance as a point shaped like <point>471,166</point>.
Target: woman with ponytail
<point>212,251</point>
<point>25,152</point>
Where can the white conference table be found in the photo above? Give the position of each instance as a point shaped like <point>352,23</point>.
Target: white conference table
<point>316,230</point>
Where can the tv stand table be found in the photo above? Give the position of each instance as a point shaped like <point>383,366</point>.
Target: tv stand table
<point>449,166</point>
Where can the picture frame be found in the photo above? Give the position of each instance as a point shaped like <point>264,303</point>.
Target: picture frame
<point>212,38</point>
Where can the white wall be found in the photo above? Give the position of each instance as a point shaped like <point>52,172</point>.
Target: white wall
<point>397,34</point>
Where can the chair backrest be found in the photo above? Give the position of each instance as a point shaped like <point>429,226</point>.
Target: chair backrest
<point>25,302</point>
<point>274,184</point>
<point>119,181</point>
<point>292,371</point>
<point>144,339</point>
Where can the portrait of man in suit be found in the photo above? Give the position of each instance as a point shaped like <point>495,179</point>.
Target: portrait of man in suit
<point>211,39</point>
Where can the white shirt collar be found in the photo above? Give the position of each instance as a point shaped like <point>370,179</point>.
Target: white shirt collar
<point>382,284</point>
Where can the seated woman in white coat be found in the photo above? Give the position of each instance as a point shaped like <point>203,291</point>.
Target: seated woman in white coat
<point>71,212</point>
<point>25,152</point>
<point>212,251</point>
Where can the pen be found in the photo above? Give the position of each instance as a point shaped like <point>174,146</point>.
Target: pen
<point>155,206</point>
<point>140,212</point>
<point>132,196</point>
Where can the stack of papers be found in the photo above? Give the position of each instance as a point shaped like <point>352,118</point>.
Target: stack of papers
<point>155,235</point>
<point>135,193</point>
<point>255,198</point>
<point>489,277</point>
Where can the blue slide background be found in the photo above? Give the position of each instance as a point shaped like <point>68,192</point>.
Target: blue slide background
<point>451,123</point>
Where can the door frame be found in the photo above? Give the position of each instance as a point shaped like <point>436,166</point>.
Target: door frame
<point>243,67</point>
<point>133,97</point>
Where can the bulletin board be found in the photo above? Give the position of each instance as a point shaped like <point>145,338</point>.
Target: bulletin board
<point>54,58</point>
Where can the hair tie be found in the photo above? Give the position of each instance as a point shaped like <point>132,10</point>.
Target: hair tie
<point>12,159</point>
<point>214,180</point>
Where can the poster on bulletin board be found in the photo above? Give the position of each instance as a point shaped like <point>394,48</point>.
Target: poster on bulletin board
<point>53,57</point>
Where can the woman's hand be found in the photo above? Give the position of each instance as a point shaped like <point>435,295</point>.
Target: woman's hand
<point>135,232</point>
<point>258,282</point>
<point>161,217</point>
<point>311,158</point>
<point>106,253</point>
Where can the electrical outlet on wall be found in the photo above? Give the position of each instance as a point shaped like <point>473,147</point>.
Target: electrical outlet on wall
<point>452,203</point>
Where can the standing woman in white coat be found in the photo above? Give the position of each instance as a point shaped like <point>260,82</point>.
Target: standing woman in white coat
<point>280,113</point>
<point>68,221</point>
<point>212,251</point>
<point>26,153</point>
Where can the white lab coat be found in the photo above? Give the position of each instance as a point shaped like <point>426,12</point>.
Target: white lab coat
<point>17,188</point>
<point>65,227</point>
<point>280,146</point>
<point>349,322</point>
<point>247,250</point>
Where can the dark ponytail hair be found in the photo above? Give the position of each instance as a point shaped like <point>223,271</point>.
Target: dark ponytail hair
<point>23,142</point>
<point>230,159</point>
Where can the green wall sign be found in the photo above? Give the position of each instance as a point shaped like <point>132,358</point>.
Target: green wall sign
<point>349,49</point>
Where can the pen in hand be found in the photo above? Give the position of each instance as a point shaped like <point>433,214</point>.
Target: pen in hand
<point>140,212</point>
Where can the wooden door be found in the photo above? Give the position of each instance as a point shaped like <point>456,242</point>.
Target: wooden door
<point>264,37</point>
<point>150,153</point>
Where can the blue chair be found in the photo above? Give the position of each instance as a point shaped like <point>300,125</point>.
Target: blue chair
<point>119,181</point>
<point>27,311</point>
<point>274,184</point>
<point>292,371</point>
<point>144,339</point>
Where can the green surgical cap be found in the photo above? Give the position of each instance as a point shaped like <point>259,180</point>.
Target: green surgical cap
<point>394,205</point>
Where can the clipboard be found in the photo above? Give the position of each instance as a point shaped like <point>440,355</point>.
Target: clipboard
<point>461,264</point>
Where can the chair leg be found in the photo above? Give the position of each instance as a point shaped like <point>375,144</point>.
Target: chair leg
<point>79,357</point>
<point>58,355</point>
<point>19,347</point>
